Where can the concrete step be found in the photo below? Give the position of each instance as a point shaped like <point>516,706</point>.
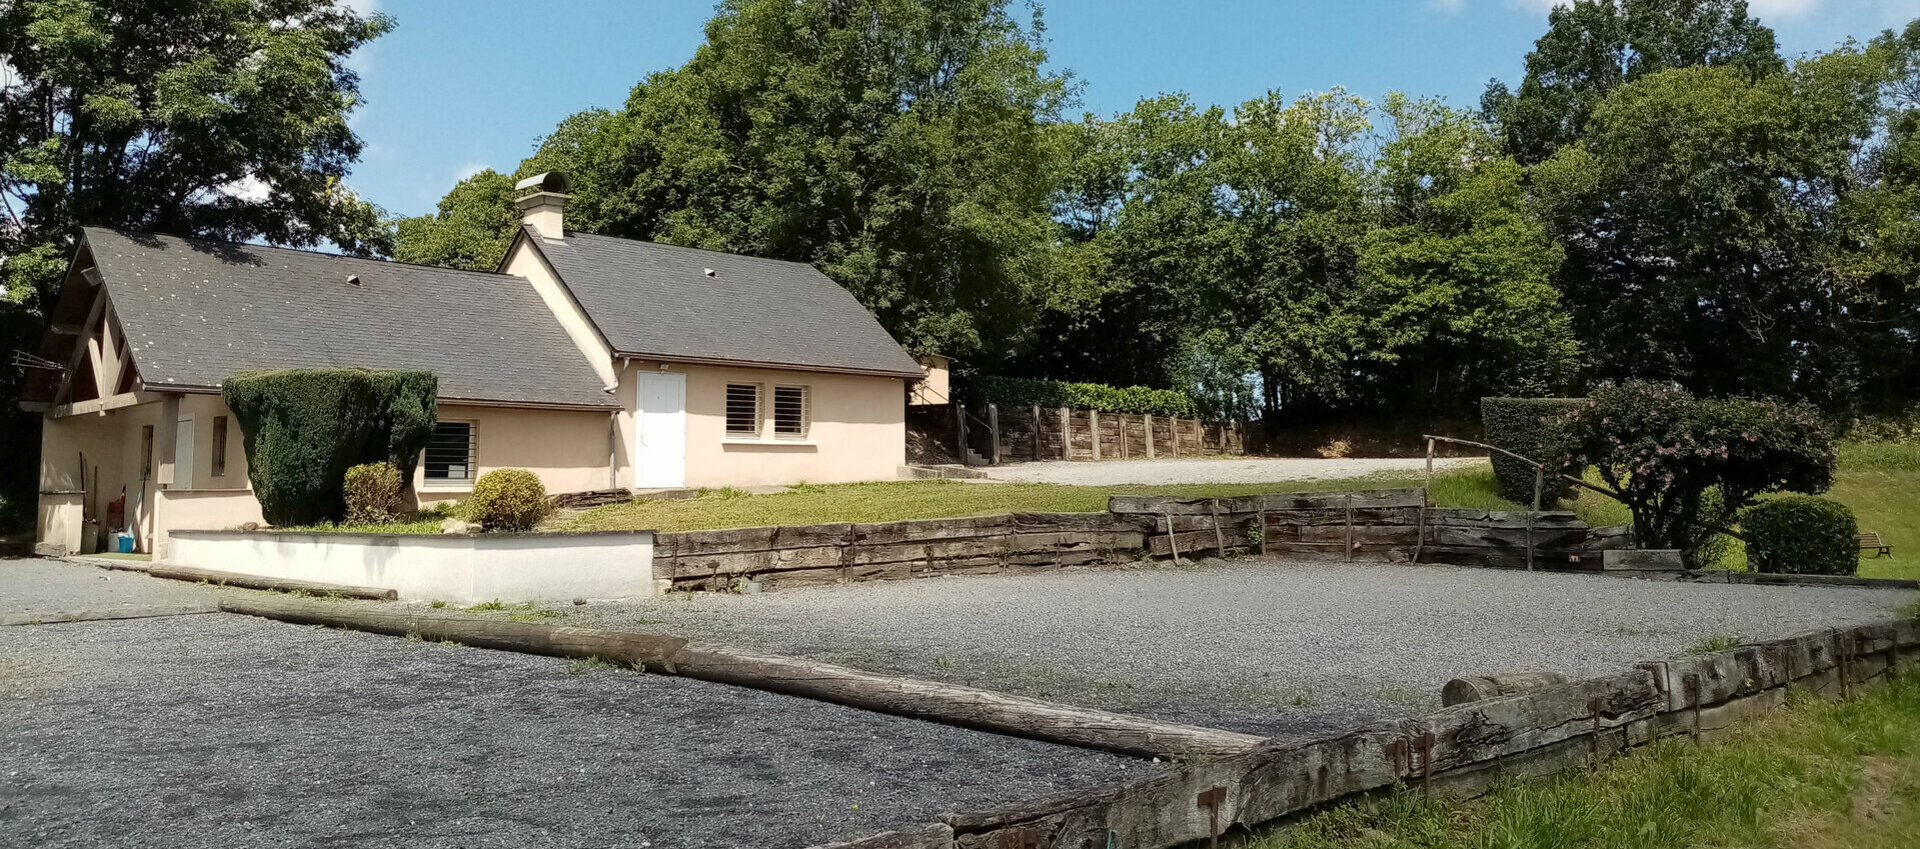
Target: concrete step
<point>915,472</point>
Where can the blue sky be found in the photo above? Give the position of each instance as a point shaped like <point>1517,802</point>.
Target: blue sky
<point>457,87</point>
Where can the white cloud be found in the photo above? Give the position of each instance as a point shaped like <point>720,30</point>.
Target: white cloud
<point>469,170</point>
<point>249,188</point>
<point>363,7</point>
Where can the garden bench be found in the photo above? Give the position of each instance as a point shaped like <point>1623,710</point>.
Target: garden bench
<point>1870,541</point>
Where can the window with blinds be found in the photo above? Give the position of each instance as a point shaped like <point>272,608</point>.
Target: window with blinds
<point>450,453</point>
<point>743,410</point>
<point>792,412</point>
<point>219,446</point>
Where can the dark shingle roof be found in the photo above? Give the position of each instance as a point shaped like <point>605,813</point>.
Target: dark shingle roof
<point>196,312</point>
<point>649,298</point>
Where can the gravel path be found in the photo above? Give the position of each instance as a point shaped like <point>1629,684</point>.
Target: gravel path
<point>1264,647</point>
<point>221,730</point>
<point>1240,470</point>
<point>32,589</point>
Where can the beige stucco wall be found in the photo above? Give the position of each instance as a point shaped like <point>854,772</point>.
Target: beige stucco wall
<point>567,449</point>
<point>201,509</point>
<point>858,430</point>
<point>526,262</point>
<point>935,388</point>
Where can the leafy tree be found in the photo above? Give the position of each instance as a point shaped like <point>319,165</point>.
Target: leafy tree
<point>1687,466</point>
<point>196,117</point>
<point>1700,220</point>
<point>1594,46</point>
<point>475,223</point>
<point>1455,291</point>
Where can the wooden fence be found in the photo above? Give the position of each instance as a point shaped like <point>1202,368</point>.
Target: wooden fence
<point>1058,433</point>
<point>1461,751</point>
<point>1374,526</point>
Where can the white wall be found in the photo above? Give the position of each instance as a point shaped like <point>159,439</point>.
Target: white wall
<point>458,568</point>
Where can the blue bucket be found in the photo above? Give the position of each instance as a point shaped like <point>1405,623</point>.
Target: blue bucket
<point>123,543</point>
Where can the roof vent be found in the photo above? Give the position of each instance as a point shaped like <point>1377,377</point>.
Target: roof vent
<point>353,280</point>
<point>711,273</point>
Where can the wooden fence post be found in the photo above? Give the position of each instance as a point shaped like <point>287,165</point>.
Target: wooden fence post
<point>1539,481</point>
<point>1149,436</point>
<point>1036,433</point>
<point>1426,495</point>
<point>960,425</point>
<point>1093,425</point>
<point>1066,434</point>
<point>1349,501</point>
<point>1176,436</point>
<point>1123,437</point>
<point>993,426</point>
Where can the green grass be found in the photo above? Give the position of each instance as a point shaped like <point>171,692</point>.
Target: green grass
<point>935,499</point>
<point>1815,775</point>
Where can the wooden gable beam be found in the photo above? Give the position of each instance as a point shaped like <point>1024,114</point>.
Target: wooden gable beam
<point>80,351</point>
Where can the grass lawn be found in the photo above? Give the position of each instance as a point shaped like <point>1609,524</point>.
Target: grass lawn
<point>1880,482</point>
<point>933,499</point>
<point>1814,775</point>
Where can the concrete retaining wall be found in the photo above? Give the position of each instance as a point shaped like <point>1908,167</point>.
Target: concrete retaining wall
<point>1459,752</point>
<point>458,568</point>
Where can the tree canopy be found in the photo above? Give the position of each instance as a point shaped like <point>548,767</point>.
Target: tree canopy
<point>194,117</point>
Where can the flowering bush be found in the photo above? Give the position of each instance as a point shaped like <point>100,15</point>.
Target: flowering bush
<point>1687,466</point>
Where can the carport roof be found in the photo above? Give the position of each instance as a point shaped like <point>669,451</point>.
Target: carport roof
<point>195,312</point>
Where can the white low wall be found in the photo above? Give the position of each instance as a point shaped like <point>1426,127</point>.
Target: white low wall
<point>457,568</point>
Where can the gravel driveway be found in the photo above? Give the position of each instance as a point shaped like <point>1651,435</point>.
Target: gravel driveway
<point>1235,470</point>
<point>221,730</point>
<point>1258,646</point>
<point>37,590</point>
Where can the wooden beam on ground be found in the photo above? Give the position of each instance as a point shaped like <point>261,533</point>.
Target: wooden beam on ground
<point>255,582</point>
<point>968,707</point>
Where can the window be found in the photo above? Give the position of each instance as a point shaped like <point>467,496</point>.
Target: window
<point>146,453</point>
<point>449,455</point>
<point>791,412</point>
<point>743,410</point>
<point>219,446</point>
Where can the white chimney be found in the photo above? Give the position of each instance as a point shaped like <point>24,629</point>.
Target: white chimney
<point>544,205</point>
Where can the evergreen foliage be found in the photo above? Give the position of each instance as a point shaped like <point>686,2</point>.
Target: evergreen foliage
<point>1801,534</point>
<point>303,428</point>
<point>1016,393</point>
<point>507,500</point>
<point>1534,428</point>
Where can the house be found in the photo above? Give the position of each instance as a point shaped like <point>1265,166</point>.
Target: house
<point>594,362</point>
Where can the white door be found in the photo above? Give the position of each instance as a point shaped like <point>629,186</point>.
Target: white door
<point>661,424</point>
<point>183,453</point>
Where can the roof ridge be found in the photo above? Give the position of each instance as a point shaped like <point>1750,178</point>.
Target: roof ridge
<point>129,234</point>
<point>689,249</point>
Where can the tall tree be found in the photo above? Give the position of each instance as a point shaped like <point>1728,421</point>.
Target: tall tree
<point>1702,218</point>
<point>196,117</point>
<point>471,229</point>
<point>1595,46</point>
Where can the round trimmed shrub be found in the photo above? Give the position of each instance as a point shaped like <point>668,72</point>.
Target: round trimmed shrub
<point>507,500</point>
<point>1801,535</point>
<point>1533,428</point>
<point>372,492</point>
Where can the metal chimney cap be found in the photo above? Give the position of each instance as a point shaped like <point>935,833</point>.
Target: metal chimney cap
<point>552,181</point>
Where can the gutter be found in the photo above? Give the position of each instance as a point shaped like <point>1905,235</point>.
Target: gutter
<point>715,361</point>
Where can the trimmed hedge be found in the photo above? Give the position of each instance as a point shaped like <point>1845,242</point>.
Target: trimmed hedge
<point>1533,428</point>
<point>1014,392</point>
<point>372,493</point>
<point>507,500</point>
<point>1801,535</point>
<point>303,428</point>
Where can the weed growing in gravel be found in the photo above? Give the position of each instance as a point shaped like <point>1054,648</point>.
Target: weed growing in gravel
<point>1912,609</point>
<point>495,604</point>
<point>437,605</point>
<point>1716,642</point>
<point>581,665</point>
<point>535,615</point>
<point>1629,631</point>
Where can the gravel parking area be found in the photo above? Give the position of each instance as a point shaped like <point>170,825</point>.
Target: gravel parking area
<point>220,730</point>
<point>33,589</point>
<point>1258,646</point>
<point>1225,470</point>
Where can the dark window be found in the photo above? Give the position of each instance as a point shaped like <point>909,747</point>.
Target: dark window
<point>791,414</point>
<point>449,455</point>
<point>743,409</point>
<point>219,445</point>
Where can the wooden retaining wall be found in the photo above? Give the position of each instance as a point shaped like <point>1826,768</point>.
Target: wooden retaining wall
<point>1458,752</point>
<point>782,557</point>
<point>1382,526</point>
